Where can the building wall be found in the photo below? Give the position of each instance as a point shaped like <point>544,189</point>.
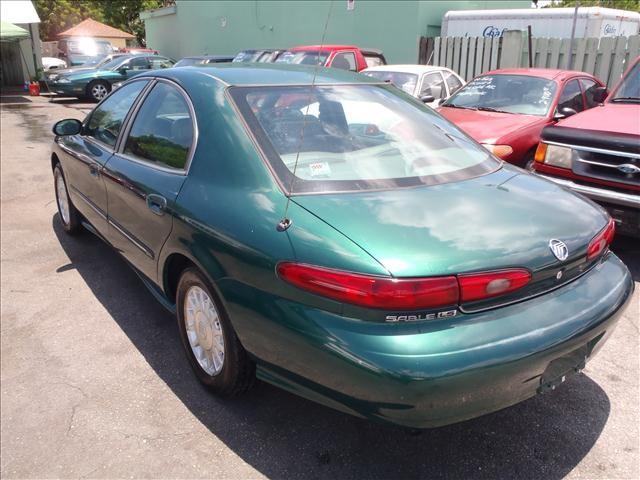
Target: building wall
<point>226,27</point>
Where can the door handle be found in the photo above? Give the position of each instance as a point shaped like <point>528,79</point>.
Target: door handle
<point>156,203</point>
<point>94,170</point>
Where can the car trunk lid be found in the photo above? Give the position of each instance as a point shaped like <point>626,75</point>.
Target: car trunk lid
<point>502,220</point>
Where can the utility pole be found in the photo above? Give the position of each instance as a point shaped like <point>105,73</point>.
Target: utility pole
<point>573,36</point>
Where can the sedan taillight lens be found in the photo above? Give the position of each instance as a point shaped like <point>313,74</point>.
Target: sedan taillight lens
<point>602,240</point>
<point>478,286</point>
<point>402,293</point>
<point>370,290</point>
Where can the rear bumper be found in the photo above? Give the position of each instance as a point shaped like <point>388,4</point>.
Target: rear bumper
<point>623,207</point>
<point>432,373</point>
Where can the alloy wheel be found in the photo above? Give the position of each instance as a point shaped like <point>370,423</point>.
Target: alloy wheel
<point>204,330</point>
<point>99,91</point>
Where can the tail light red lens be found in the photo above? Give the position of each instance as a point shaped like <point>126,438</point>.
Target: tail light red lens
<point>372,291</point>
<point>478,286</point>
<point>602,240</point>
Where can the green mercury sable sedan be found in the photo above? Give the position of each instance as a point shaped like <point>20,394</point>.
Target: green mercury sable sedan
<point>335,237</point>
<point>95,83</point>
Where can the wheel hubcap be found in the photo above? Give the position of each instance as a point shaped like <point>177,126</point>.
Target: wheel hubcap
<point>204,331</point>
<point>63,200</point>
<point>99,91</point>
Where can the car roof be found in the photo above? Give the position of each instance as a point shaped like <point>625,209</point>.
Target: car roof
<point>548,73</point>
<point>205,57</point>
<point>417,69</point>
<point>322,47</point>
<point>243,74</point>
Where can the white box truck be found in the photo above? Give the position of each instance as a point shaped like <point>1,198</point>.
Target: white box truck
<point>545,22</point>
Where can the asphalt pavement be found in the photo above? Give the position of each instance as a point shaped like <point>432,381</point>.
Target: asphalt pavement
<point>94,383</point>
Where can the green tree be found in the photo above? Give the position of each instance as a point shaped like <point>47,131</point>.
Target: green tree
<point>125,14</point>
<point>633,5</point>
<point>58,15</point>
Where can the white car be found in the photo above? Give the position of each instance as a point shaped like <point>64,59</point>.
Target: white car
<point>421,81</point>
<point>52,63</point>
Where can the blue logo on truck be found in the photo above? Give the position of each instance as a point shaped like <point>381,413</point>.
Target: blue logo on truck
<point>491,31</point>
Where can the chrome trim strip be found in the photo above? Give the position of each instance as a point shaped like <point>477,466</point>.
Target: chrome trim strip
<point>599,164</point>
<point>131,238</point>
<point>595,150</point>
<point>93,206</point>
<point>611,196</point>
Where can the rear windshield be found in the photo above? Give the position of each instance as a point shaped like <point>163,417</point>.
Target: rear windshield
<point>309,57</point>
<point>506,93</point>
<point>405,81</point>
<point>356,137</point>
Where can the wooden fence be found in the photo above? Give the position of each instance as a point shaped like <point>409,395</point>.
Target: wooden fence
<point>606,58</point>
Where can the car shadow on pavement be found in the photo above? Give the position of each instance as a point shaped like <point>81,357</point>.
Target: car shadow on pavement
<point>282,435</point>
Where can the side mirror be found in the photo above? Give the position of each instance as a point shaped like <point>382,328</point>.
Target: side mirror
<point>436,91</point>
<point>70,126</point>
<point>123,70</point>
<point>600,94</point>
<point>427,98</point>
<point>564,113</point>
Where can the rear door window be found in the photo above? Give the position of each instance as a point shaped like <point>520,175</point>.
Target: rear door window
<point>138,63</point>
<point>344,61</point>
<point>106,120</point>
<point>162,132</point>
<point>453,82</point>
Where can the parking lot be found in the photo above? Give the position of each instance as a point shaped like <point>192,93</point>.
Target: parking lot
<point>95,382</point>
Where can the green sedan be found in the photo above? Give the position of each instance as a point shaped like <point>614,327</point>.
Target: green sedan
<point>331,235</point>
<point>95,83</point>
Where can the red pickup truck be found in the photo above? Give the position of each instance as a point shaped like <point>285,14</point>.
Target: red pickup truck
<point>597,153</point>
<point>346,57</point>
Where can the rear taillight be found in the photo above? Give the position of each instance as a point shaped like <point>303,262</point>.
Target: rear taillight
<point>402,293</point>
<point>602,240</point>
<point>478,286</point>
<point>372,291</point>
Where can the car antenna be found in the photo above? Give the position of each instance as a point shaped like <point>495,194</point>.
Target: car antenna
<point>286,222</point>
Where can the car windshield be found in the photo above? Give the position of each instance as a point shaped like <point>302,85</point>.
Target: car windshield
<point>629,89</point>
<point>185,62</point>
<point>309,57</point>
<point>114,63</point>
<point>96,60</point>
<point>405,81</point>
<point>506,93</point>
<point>356,137</point>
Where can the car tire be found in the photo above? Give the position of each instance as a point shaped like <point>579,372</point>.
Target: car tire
<point>69,216</point>
<point>210,343</point>
<point>98,89</point>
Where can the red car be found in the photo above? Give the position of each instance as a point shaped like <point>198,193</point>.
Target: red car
<point>507,109</point>
<point>597,153</point>
<point>346,57</point>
